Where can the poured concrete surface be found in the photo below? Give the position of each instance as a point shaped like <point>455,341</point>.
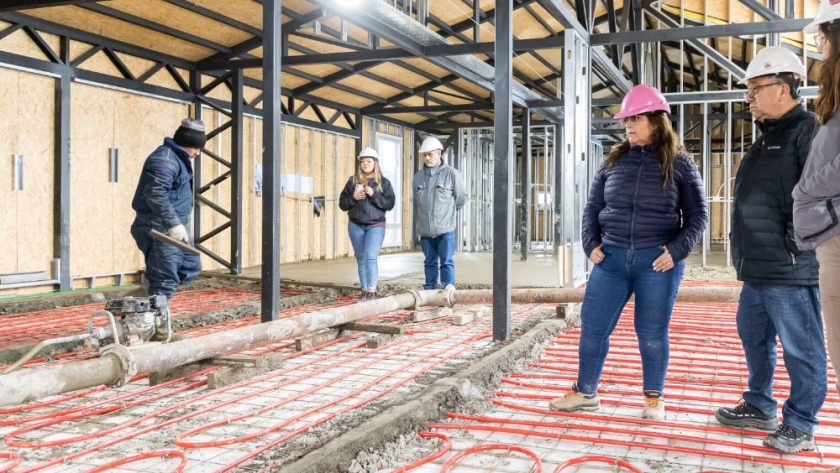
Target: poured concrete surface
<point>471,269</point>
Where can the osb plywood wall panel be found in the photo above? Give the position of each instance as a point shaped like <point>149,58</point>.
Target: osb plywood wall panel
<point>19,43</point>
<point>95,23</point>
<point>26,216</point>
<point>220,92</point>
<point>326,159</point>
<point>99,62</point>
<point>250,223</point>
<point>100,211</point>
<point>136,65</point>
<point>92,122</point>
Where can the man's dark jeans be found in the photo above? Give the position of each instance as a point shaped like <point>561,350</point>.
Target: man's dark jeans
<point>438,252</point>
<point>792,313</point>
<point>167,266</point>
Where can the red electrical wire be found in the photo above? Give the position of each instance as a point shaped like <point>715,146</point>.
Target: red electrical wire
<point>14,460</point>
<point>492,446</point>
<point>627,443</point>
<point>76,414</point>
<point>272,444</point>
<point>179,440</point>
<point>188,402</point>
<point>447,446</point>
<point>596,459</point>
<point>172,421</point>
<point>144,456</point>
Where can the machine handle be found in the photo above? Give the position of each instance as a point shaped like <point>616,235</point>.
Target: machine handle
<point>180,244</point>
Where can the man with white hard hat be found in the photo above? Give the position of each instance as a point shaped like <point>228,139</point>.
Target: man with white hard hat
<point>780,293</point>
<point>439,193</point>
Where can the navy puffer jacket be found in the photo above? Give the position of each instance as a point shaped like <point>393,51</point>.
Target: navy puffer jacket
<point>629,208</point>
<point>164,195</point>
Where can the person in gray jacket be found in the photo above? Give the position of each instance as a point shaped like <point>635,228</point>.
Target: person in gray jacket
<point>439,193</point>
<point>816,198</point>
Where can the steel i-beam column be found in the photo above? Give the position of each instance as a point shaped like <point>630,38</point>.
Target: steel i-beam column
<point>236,149</point>
<point>503,170</point>
<point>195,86</point>
<point>525,186</point>
<point>61,208</point>
<point>270,275</point>
<point>576,132</point>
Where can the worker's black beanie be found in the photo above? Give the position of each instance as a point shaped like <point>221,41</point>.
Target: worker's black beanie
<point>190,134</point>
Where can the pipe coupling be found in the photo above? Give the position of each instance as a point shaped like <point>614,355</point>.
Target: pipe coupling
<point>128,366</point>
<point>418,299</point>
<point>449,295</point>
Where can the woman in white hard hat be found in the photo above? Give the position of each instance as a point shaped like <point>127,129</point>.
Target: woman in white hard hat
<point>366,197</point>
<point>817,195</point>
<point>646,211</point>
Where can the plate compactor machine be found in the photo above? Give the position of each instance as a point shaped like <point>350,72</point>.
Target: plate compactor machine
<point>132,322</point>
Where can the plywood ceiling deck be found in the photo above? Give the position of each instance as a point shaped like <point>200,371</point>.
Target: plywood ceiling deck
<point>203,37</point>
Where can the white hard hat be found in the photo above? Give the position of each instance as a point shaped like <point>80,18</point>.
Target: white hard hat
<point>430,144</point>
<point>369,153</point>
<point>774,60</point>
<point>828,11</point>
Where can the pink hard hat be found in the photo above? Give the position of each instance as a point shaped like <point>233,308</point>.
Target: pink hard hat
<point>642,99</point>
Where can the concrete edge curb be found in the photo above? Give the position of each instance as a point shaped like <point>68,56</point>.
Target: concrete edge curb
<point>429,405</point>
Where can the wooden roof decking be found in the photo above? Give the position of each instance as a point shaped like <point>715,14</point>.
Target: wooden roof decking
<point>380,78</point>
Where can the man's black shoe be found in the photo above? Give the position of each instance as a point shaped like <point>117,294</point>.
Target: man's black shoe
<point>746,415</point>
<point>789,439</point>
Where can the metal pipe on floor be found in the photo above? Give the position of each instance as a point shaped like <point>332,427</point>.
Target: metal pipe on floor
<point>119,364</point>
<point>569,295</point>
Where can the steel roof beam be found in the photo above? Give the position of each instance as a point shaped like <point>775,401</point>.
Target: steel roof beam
<point>716,56</point>
<point>562,14</point>
<point>763,11</point>
<point>700,32</point>
<point>12,5</point>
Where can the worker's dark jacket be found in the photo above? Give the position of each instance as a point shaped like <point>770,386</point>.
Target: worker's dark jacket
<point>763,246</point>
<point>165,191</point>
<point>629,208</point>
<point>164,199</point>
<point>370,210</point>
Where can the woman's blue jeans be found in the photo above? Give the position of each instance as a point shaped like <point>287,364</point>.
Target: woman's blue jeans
<point>366,241</point>
<point>622,273</point>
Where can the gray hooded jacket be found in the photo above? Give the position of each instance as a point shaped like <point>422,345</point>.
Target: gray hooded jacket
<point>816,198</point>
<point>439,192</point>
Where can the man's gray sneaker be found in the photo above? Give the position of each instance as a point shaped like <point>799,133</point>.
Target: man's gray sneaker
<point>789,439</point>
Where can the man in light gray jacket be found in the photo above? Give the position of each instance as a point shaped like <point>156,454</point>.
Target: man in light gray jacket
<point>439,193</point>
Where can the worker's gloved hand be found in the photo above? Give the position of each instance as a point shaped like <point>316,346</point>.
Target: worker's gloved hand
<point>179,232</point>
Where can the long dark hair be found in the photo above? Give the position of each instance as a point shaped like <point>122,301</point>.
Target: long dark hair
<point>664,141</point>
<point>829,100</point>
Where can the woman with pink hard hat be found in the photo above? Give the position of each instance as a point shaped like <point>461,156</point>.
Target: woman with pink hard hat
<point>646,211</point>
